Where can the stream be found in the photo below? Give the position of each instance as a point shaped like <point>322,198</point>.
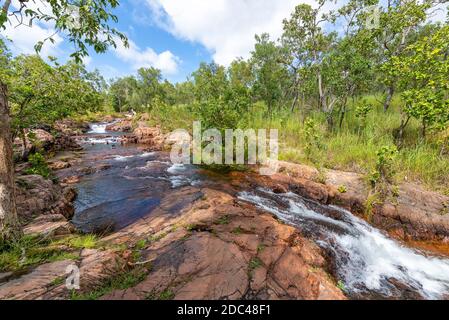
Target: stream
<point>128,182</point>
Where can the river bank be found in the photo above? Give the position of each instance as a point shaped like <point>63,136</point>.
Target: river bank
<point>186,233</point>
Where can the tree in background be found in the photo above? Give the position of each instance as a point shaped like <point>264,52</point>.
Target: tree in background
<point>270,75</point>
<point>41,93</point>
<point>308,44</point>
<point>400,20</point>
<point>422,71</point>
<point>91,28</point>
<point>218,103</point>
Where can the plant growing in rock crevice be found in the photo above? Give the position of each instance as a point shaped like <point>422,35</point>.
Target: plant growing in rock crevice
<point>38,165</point>
<point>383,173</point>
<point>382,180</point>
<point>312,137</point>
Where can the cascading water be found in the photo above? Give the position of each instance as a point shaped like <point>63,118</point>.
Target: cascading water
<point>98,128</point>
<point>367,261</point>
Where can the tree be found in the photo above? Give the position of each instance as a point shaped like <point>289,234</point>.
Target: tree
<point>123,92</point>
<point>141,92</point>
<point>149,86</point>
<point>399,22</point>
<point>304,38</point>
<point>348,72</point>
<point>423,74</point>
<point>269,73</point>
<point>218,103</point>
<point>41,93</point>
<point>89,27</point>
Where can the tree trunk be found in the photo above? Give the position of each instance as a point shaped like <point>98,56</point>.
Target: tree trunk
<point>9,223</point>
<point>398,134</point>
<point>24,143</point>
<point>342,113</point>
<point>321,93</point>
<point>388,98</point>
<point>295,100</point>
<point>424,129</point>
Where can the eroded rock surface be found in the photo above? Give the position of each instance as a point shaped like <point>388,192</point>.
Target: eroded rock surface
<point>125,125</point>
<point>48,281</point>
<point>414,214</point>
<point>37,196</point>
<point>220,248</point>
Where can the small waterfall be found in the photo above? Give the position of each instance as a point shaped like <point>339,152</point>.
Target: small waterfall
<point>367,260</point>
<point>98,128</point>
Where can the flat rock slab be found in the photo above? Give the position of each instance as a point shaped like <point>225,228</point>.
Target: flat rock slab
<point>48,228</point>
<point>36,283</point>
<point>48,281</point>
<point>231,251</point>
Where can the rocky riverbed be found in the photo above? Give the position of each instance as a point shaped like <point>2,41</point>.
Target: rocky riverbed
<point>195,234</point>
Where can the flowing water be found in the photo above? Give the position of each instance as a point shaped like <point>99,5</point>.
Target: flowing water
<point>366,260</point>
<point>369,264</point>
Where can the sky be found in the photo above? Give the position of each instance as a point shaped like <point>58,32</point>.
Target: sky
<point>174,36</point>
<point>171,35</point>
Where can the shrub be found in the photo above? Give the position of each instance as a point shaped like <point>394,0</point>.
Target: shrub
<point>312,137</point>
<point>38,165</point>
<point>384,171</point>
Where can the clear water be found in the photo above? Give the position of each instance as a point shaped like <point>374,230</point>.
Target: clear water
<point>368,262</point>
<point>366,259</point>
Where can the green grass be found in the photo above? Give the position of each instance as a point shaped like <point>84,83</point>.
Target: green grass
<point>353,148</point>
<point>166,295</point>
<point>157,237</point>
<point>254,263</point>
<point>260,247</point>
<point>32,250</point>
<point>141,244</point>
<point>28,251</point>
<point>88,241</point>
<point>223,220</point>
<point>341,285</point>
<point>120,282</point>
<point>237,231</point>
<point>349,148</point>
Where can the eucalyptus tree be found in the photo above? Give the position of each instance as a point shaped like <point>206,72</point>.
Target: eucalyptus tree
<point>308,44</point>
<point>349,66</point>
<point>269,73</point>
<point>399,21</point>
<point>423,76</point>
<point>84,23</point>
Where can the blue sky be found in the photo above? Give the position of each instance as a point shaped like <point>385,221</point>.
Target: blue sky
<point>172,35</point>
<point>139,27</point>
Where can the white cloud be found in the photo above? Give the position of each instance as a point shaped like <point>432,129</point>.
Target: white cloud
<point>87,60</point>
<point>166,61</point>
<point>24,37</point>
<point>225,27</point>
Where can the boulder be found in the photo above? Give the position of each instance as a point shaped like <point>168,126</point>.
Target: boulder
<point>71,127</point>
<point>121,126</point>
<point>58,165</point>
<point>50,226</point>
<point>264,260</point>
<point>36,140</point>
<point>37,196</point>
<point>48,281</point>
